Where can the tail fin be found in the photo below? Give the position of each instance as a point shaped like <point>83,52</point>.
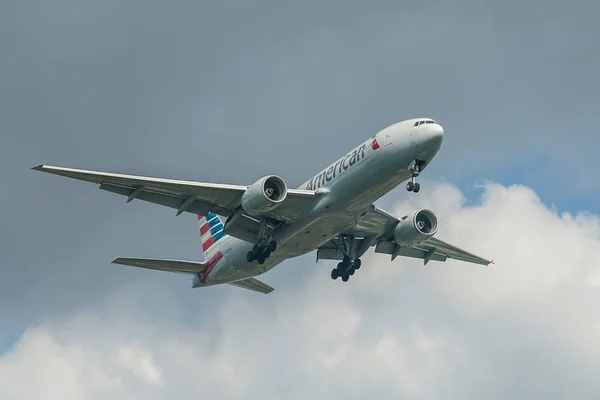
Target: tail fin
<point>211,231</point>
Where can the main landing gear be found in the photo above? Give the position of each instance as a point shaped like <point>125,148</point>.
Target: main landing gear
<point>352,249</point>
<point>345,269</point>
<point>265,246</point>
<point>412,185</point>
<point>261,251</point>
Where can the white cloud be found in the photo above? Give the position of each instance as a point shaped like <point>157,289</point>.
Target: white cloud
<point>138,362</point>
<point>528,327</point>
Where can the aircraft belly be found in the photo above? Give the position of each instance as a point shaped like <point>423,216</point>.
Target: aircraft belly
<point>318,232</point>
<point>378,189</point>
<point>237,266</point>
<point>369,183</point>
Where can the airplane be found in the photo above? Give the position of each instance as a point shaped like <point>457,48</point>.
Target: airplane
<point>267,222</point>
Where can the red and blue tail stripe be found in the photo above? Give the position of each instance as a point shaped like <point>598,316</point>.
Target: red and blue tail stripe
<point>211,231</point>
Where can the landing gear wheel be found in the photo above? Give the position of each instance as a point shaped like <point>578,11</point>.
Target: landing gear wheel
<point>261,251</point>
<point>356,264</point>
<point>345,277</point>
<point>415,170</point>
<point>351,271</point>
<point>335,274</point>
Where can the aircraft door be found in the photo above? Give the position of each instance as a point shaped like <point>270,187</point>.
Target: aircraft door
<point>388,138</point>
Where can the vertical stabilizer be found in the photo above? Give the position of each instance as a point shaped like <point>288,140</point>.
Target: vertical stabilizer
<point>211,232</point>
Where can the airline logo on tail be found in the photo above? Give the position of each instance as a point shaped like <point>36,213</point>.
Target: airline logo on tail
<point>211,231</point>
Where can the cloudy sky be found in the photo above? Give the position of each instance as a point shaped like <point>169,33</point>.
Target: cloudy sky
<point>230,91</point>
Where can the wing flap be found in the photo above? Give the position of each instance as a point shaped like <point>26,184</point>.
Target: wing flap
<point>179,266</point>
<point>167,200</point>
<point>390,248</point>
<point>336,247</point>
<point>254,285</point>
<point>324,253</point>
<point>454,252</point>
<point>435,250</point>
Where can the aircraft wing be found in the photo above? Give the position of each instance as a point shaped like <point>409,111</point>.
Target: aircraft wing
<point>375,227</point>
<point>433,249</point>
<point>254,285</point>
<point>190,196</point>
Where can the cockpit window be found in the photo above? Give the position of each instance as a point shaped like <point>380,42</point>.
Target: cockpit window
<point>430,122</point>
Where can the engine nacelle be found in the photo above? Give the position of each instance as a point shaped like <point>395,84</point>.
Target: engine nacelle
<point>416,228</point>
<point>264,195</point>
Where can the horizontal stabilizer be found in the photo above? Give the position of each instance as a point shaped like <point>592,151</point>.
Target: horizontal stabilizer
<point>254,285</point>
<point>183,267</point>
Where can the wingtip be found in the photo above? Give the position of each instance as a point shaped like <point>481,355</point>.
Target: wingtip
<point>38,167</point>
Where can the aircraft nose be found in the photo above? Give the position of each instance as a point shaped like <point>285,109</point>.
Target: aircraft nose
<point>435,135</point>
<point>429,140</point>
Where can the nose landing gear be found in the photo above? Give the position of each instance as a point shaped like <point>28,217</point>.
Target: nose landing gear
<point>412,185</point>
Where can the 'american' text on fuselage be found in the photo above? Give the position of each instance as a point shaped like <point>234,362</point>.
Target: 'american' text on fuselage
<point>339,167</point>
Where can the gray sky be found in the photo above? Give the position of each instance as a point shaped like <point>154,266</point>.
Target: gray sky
<point>231,91</point>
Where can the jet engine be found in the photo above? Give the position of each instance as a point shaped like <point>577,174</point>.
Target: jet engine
<point>416,228</point>
<point>264,195</point>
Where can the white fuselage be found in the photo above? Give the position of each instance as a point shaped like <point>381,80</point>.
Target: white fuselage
<point>351,185</point>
